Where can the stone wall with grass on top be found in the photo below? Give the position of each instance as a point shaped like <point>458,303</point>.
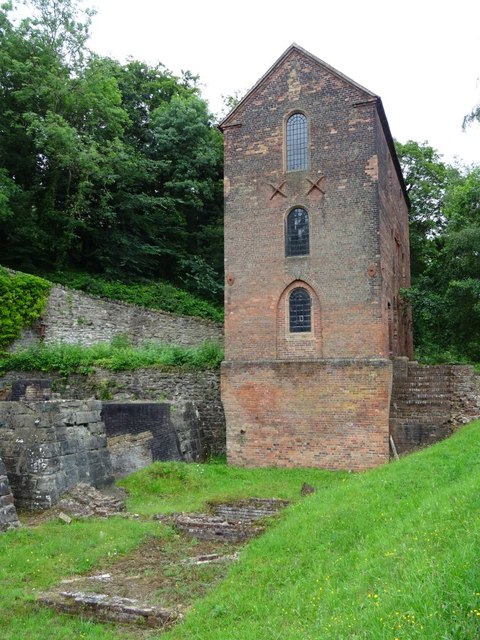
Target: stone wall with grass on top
<point>75,317</point>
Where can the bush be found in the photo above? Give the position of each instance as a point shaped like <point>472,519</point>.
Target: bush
<point>117,356</point>
<point>23,299</point>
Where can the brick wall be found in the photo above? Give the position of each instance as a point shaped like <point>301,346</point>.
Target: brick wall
<point>343,220</point>
<point>429,402</point>
<point>314,397</point>
<point>330,413</point>
<point>393,266</point>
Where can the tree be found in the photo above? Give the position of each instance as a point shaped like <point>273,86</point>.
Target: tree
<point>54,143</point>
<point>104,167</point>
<point>445,236</point>
<point>427,179</point>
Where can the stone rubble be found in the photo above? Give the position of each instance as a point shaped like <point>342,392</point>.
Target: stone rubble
<point>84,501</point>
<point>109,608</point>
<point>234,522</point>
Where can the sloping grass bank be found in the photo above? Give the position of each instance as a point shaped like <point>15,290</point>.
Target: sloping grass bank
<point>387,554</point>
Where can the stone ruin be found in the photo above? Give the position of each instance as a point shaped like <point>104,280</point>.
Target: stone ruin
<point>217,533</point>
<point>231,522</point>
<point>48,445</point>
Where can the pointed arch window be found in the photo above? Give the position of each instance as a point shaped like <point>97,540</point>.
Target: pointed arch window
<point>297,236</point>
<point>297,142</point>
<point>300,311</point>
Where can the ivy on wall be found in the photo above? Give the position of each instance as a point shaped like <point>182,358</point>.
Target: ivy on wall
<point>23,299</point>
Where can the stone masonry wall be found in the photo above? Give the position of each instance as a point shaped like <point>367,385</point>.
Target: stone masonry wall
<point>75,317</point>
<point>139,433</point>
<point>48,447</point>
<point>197,410</point>
<point>8,513</point>
<point>318,413</point>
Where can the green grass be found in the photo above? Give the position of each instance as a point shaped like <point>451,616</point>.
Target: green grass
<point>34,559</point>
<point>392,553</point>
<point>389,553</point>
<point>117,356</point>
<point>175,486</point>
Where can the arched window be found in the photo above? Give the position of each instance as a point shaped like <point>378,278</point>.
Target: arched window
<point>297,142</point>
<point>300,311</point>
<point>297,239</point>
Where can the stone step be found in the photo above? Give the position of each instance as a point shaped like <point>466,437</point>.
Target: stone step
<point>426,386</point>
<point>249,510</point>
<point>206,527</point>
<point>230,522</point>
<point>101,606</point>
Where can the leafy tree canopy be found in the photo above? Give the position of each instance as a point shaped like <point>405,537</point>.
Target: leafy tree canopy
<point>445,241</point>
<point>106,167</point>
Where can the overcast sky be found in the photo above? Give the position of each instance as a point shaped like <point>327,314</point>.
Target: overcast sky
<point>422,57</point>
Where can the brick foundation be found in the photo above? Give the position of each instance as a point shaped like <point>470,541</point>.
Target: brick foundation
<point>312,413</point>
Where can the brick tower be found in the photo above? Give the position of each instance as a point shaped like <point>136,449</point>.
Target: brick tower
<point>316,250</point>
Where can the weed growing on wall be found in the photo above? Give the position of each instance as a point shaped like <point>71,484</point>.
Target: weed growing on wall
<point>116,356</point>
<point>152,295</point>
<point>23,299</point>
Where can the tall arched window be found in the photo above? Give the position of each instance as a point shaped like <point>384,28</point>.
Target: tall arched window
<point>300,311</point>
<point>297,237</point>
<point>297,142</point>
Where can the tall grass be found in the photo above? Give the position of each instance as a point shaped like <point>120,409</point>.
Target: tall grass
<point>116,356</point>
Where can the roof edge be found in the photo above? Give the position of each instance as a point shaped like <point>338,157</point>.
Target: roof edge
<point>391,146</point>
<point>292,47</point>
<point>375,98</point>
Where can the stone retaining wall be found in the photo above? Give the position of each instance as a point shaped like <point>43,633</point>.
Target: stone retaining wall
<point>48,447</point>
<point>195,397</point>
<point>75,317</point>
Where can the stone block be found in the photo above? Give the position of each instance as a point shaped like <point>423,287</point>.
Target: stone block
<point>6,500</point>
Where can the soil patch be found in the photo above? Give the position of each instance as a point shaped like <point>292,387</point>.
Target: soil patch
<point>158,582</point>
<point>163,573</point>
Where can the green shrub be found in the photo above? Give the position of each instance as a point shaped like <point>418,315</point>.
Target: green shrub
<point>153,295</point>
<point>116,356</point>
<point>23,299</point>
